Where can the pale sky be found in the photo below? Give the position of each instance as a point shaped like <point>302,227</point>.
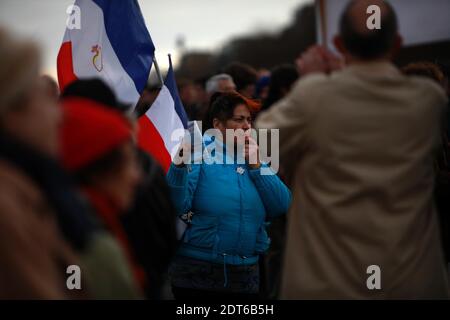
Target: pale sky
<point>204,24</point>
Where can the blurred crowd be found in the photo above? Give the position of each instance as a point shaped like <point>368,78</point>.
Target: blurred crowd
<point>365,180</point>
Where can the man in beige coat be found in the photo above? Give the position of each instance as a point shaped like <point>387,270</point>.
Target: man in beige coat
<point>359,145</point>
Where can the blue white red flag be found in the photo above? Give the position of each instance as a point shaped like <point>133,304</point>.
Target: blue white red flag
<point>113,43</point>
<point>163,125</point>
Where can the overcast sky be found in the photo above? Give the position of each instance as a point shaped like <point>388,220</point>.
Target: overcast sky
<point>204,24</point>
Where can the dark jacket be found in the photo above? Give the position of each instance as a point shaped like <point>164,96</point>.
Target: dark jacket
<point>34,254</point>
<point>150,225</point>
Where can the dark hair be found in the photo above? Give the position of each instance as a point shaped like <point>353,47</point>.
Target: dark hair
<point>425,69</point>
<point>365,43</point>
<point>52,85</point>
<point>94,89</point>
<point>143,105</point>
<point>243,75</point>
<point>221,106</point>
<point>445,68</point>
<point>109,162</point>
<point>281,79</point>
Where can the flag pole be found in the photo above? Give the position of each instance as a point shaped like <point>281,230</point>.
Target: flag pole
<point>170,60</point>
<point>158,72</point>
<point>322,23</point>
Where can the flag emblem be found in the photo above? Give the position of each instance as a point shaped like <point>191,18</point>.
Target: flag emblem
<point>113,45</point>
<point>97,59</point>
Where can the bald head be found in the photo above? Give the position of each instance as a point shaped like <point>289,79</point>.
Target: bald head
<point>358,39</point>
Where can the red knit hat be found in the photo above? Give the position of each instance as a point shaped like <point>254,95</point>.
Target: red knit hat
<point>89,131</point>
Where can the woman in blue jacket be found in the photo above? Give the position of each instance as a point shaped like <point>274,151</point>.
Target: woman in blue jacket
<point>227,204</point>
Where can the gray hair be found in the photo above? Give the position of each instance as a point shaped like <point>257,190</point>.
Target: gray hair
<point>212,85</point>
<point>19,65</point>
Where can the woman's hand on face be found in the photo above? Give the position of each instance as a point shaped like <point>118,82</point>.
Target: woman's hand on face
<point>251,151</point>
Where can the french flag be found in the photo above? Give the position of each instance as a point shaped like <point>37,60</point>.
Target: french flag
<point>112,43</point>
<point>164,124</point>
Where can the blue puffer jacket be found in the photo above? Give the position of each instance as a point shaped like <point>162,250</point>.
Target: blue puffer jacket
<point>230,206</point>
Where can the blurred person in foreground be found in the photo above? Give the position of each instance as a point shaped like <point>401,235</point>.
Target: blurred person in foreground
<point>51,87</point>
<point>34,194</point>
<point>225,204</point>
<point>360,145</point>
<point>150,222</point>
<point>98,151</point>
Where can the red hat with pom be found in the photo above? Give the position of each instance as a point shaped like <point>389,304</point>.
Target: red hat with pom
<point>89,131</point>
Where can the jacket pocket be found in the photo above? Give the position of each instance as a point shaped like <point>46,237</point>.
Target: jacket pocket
<point>202,232</point>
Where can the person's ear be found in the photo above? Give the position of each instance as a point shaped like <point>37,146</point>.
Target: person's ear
<point>339,44</point>
<point>217,124</point>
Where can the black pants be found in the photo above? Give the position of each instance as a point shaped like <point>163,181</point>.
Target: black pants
<point>197,295</point>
